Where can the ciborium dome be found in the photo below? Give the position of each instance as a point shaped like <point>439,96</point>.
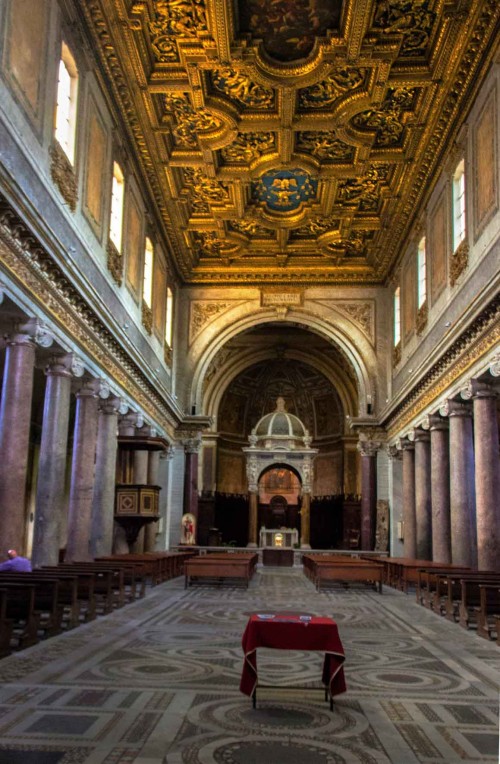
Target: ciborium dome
<point>279,429</point>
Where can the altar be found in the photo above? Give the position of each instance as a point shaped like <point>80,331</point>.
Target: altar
<point>281,538</point>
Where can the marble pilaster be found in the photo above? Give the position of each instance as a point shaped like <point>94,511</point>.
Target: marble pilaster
<point>15,422</point>
<point>462,493</point>
<point>103,501</point>
<point>487,473</point>
<point>53,456</point>
<point>305,521</point>
<point>368,450</point>
<point>82,473</point>
<point>151,529</point>
<point>440,488</point>
<point>253,501</point>
<point>191,448</point>
<point>423,517</point>
<point>409,506</point>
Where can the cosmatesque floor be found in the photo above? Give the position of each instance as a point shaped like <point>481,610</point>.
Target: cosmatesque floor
<point>156,682</point>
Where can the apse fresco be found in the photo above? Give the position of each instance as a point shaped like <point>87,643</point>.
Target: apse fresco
<point>288,28</point>
<point>285,190</point>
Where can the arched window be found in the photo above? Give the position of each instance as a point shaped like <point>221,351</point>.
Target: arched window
<point>67,94</point>
<point>147,284</point>
<point>117,201</point>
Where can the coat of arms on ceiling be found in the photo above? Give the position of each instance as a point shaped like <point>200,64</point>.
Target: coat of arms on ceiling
<point>285,190</point>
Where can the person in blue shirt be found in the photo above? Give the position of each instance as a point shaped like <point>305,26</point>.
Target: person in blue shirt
<point>15,563</point>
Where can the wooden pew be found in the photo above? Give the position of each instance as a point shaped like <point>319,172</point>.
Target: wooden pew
<point>360,570</point>
<point>20,610</point>
<point>77,594</point>
<point>132,579</point>
<point>108,583</point>
<point>47,606</point>
<point>6,625</point>
<point>470,599</point>
<point>428,582</point>
<point>489,610</point>
<point>451,584</point>
<point>159,566</point>
<point>230,566</point>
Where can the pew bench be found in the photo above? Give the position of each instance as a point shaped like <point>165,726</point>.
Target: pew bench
<point>6,625</point>
<point>489,610</point>
<point>20,610</point>
<point>370,573</point>
<point>235,567</point>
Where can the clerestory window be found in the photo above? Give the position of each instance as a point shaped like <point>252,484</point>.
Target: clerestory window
<point>66,103</point>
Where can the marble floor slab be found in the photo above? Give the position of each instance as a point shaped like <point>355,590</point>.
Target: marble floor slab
<point>156,682</point>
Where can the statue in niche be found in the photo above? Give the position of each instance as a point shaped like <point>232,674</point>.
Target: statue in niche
<point>188,529</point>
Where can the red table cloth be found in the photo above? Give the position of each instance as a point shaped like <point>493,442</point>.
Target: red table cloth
<point>286,631</point>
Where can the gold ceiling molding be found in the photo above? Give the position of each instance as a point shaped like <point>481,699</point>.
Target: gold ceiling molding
<point>37,273</point>
<point>472,345</point>
<point>366,115</point>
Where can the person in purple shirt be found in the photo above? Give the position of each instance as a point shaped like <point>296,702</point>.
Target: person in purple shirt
<point>15,563</point>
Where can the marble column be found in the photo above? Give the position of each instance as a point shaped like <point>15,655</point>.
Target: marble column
<point>103,501</point>
<point>253,502</point>
<point>409,508</point>
<point>53,456</point>
<point>422,440</point>
<point>191,447</point>
<point>487,473</point>
<point>462,493</point>
<point>15,422</point>
<point>253,499</point>
<point>305,509</point>
<point>82,473</point>
<point>151,529</point>
<point>440,489</point>
<point>305,521</point>
<point>368,450</point>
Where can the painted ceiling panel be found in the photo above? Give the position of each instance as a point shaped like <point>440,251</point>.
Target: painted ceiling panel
<point>290,140</point>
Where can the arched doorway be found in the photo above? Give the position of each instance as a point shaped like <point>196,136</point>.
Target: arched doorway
<point>279,498</point>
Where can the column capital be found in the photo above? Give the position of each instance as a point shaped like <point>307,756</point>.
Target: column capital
<point>421,436</point>
<point>93,388</point>
<point>168,455</point>
<point>128,421</point>
<point>112,405</point>
<point>406,444</point>
<point>369,447</point>
<point>30,332</point>
<point>435,422</point>
<point>192,445</point>
<point>59,366</point>
<point>394,452</point>
<point>478,389</point>
<point>452,408</point>
<point>494,367</point>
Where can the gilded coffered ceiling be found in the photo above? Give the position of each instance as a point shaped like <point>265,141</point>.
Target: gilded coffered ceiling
<point>290,140</point>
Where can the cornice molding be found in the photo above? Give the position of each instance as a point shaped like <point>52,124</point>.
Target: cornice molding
<point>474,342</point>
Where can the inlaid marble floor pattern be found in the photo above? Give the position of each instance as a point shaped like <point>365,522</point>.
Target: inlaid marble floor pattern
<point>157,682</point>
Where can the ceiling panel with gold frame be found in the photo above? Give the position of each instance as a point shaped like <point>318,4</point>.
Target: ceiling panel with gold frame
<point>290,140</point>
